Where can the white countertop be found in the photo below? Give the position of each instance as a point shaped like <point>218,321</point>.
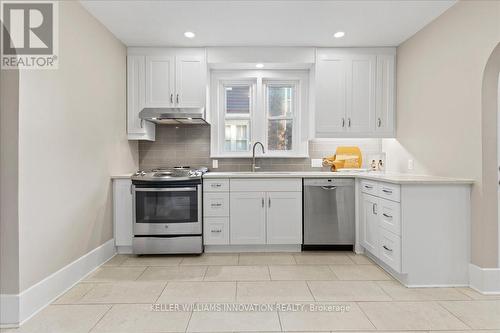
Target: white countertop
<point>122,176</point>
<point>397,178</point>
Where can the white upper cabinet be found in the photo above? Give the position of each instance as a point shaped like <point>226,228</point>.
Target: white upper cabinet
<point>159,81</point>
<point>189,72</point>
<point>163,77</point>
<point>137,129</point>
<point>386,89</point>
<point>354,93</point>
<point>331,87</point>
<point>361,94</point>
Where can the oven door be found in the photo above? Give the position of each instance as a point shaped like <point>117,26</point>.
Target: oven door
<point>172,210</point>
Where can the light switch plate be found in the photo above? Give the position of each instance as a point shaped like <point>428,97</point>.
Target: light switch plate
<point>410,164</point>
<point>215,164</point>
<point>316,162</point>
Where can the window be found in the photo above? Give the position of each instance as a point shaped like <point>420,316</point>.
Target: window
<point>280,101</point>
<point>237,117</point>
<point>265,106</point>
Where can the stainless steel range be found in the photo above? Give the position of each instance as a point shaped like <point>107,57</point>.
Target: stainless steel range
<point>168,210</point>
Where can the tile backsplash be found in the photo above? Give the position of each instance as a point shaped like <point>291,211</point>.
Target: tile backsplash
<point>190,145</point>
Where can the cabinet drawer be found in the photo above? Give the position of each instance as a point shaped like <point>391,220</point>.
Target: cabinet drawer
<point>390,216</point>
<point>390,249</point>
<point>216,204</point>
<point>389,191</point>
<point>216,230</point>
<point>216,185</point>
<point>369,187</point>
<point>267,185</point>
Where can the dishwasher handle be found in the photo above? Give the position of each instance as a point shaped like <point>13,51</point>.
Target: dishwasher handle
<point>329,188</point>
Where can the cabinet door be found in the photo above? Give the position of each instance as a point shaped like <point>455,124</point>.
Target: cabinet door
<point>331,104</point>
<point>369,223</point>
<point>190,81</point>
<point>216,231</point>
<point>135,93</point>
<point>123,212</point>
<point>361,94</point>
<point>247,218</point>
<point>385,116</point>
<point>284,218</point>
<point>159,81</point>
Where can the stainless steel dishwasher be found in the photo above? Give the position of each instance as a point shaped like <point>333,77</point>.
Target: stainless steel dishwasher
<point>329,213</point>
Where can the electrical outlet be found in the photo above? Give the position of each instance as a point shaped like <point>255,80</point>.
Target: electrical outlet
<point>410,164</point>
<point>215,164</point>
<point>316,162</point>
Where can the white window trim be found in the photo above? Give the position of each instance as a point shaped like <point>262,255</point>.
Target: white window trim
<point>259,116</point>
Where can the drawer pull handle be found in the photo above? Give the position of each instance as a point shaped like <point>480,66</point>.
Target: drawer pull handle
<point>216,205</point>
<point>388,249</point>
<point>217,231</point>
<point>388,216</point>
<point>387,191</point>
<point>216,185</point>
<point>374,209</point>
<point>368,187</point>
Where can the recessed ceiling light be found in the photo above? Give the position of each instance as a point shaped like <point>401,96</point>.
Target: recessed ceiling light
<point>189,34</point>
<point>339,34</point>
<point>259,65</point>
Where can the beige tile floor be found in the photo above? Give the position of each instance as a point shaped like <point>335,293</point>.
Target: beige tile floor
<point>118,297</point>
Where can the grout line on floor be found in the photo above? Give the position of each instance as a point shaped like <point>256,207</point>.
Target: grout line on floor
<point>364,313</point>
<point>161,293</point>
<point>137,278</point>
<point>309,287</point>
<point>103,315</point>
<point>451,313</point>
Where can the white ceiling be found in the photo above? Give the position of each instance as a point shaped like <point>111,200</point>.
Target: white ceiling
<point>265,22</point>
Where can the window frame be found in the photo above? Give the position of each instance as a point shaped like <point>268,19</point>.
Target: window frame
<point>225,116</point>
<point>266,82</point>
<point>259,122</point>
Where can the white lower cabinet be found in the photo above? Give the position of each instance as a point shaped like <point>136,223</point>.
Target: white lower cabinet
<point>380,223</point>
<point>216,230</point>
<point>247,218</point>
<point>252,211</point>
<point>369,225</point>
<point>284,218</point>
<point>390,249</point>
<point>123,214</point>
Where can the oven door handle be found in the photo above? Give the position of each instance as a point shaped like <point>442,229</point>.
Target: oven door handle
<point>172,189</point>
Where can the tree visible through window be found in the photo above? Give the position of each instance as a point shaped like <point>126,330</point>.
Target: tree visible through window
<point>280,113</point>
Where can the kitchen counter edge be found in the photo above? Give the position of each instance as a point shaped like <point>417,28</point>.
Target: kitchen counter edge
<point>395,178</point>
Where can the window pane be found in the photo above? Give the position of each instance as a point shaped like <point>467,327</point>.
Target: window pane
<point>280,101</point>
<point>279,135</point>
<point>237,135</point>
<point>237,100</point>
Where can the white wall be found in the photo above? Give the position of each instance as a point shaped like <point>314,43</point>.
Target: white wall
<point>72,138</point>
<point>439,85</point>
<point>9,226</point>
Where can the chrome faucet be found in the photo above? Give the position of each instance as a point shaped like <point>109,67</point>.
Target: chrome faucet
<point>253,154</point>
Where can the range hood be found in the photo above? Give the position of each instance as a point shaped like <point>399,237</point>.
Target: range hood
<point>174,116</point>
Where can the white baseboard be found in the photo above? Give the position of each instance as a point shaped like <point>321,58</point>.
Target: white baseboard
<point>21,307</point>
<point>484,280</point>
